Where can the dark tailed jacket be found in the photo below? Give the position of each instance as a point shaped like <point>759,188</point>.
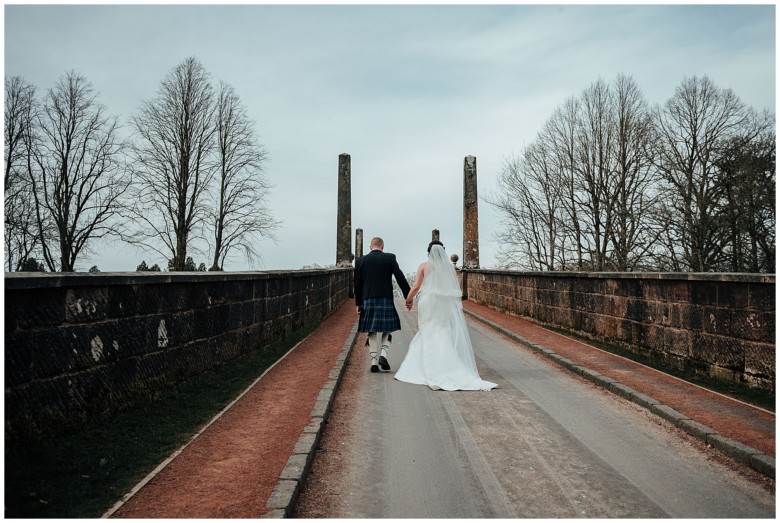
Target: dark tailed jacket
<point>373,276</point>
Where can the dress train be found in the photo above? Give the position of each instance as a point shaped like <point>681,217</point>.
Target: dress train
<point>441,355</point>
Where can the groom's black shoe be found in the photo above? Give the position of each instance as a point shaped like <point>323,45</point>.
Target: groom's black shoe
<point>374,368</point>
<point>383,363</point>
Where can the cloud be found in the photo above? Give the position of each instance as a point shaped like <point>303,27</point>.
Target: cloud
<point>407,90</point>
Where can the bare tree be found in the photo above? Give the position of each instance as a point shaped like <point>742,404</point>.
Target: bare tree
<point>561,131</point>
<point>239,215</point>
<point>531,201</point>
<point>522,237</point>
<point>173,163</point>
<point>581,194</point>
<point>595,170</point>
<point>746,170</point>
<point>634,231</point>
<point>21,233</point>
<point>692,125</point>
<point>77,179</point>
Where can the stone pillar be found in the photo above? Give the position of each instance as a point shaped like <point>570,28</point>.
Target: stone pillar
<point>358,243</point>
<point>470,217</point>
<point>434,234</point>
<point>344,213</point>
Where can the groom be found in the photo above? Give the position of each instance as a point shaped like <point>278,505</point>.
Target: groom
<point>374,299</point>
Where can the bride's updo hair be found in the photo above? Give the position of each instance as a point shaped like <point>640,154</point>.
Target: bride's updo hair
<point>434,242</point>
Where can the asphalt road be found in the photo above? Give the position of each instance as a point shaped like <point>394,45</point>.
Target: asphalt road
<point>545,444</point>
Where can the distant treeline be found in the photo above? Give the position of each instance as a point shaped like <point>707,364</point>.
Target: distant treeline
<point>613,184</point>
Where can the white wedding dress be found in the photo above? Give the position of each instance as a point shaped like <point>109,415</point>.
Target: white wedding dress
<point>440,354</point>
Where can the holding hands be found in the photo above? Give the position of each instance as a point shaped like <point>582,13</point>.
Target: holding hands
<point>416,287</point>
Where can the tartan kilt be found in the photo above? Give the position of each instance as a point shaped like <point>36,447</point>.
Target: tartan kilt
<point>379,315</point>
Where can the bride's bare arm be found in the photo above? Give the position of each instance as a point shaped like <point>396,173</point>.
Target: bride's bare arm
<point>417,283</point>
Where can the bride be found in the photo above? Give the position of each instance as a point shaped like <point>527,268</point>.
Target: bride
<point>440,354</point>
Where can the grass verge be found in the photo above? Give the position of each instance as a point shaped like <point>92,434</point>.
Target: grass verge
<point>82,474</point>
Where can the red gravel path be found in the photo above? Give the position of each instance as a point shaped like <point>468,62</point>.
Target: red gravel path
<point>231,469</point>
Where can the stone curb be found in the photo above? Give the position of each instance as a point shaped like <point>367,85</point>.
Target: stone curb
<point>171,457</point>
<point>293,475</point>
<point>754,458</point>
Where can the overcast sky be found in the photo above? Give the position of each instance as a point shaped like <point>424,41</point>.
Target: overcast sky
<point>407,90</point>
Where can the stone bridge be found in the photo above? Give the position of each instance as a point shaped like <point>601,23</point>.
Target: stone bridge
<point>82,346</point>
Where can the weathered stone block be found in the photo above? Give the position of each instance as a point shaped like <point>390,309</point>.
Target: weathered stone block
<point>283,496</point>
<point>761,297</point>
<point>723,373</point>
<point>760,359</point>
<point>657,312</point>
<point>219,316</point>
<point>753,325</point>
<point>589,323</point>
<point>151,299</point>
<point>622,390</point>
<point>272,307</point>
<point>718,350</point>
<point>159,334</point>
<point>668,413</point>
<point>687,317</point>
<point>649,336</point>
<point>34,308</point>
<point>295,467</point>
<point>315,426</point>
<point>624,331</point>
<point>305,444</point>
<point>629,287</point>
<point>636,310</point>
<point>696,429</point>
<point>183,326</point>
<point>122,302</point>
<point>730,447</point>
<point>763,463</point>
<point>616,306</point>
<point>733,294</point>
<point>703,293</point>
<point>204,324</point>
<point>225,346</point>
<point>18,361</point>
<point>716,320</point>
<point>644,400</point>
<point>115,339</point>
<point>126,382</point>
<point>607,326</point>
<point>60,350</point>
<point>677,291</point>
<point>241,314</point>
<point>655,290</point>
<point>259,289</point>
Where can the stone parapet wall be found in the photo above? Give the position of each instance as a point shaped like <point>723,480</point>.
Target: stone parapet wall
<point>83,346</point>
<point>722,325</point>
